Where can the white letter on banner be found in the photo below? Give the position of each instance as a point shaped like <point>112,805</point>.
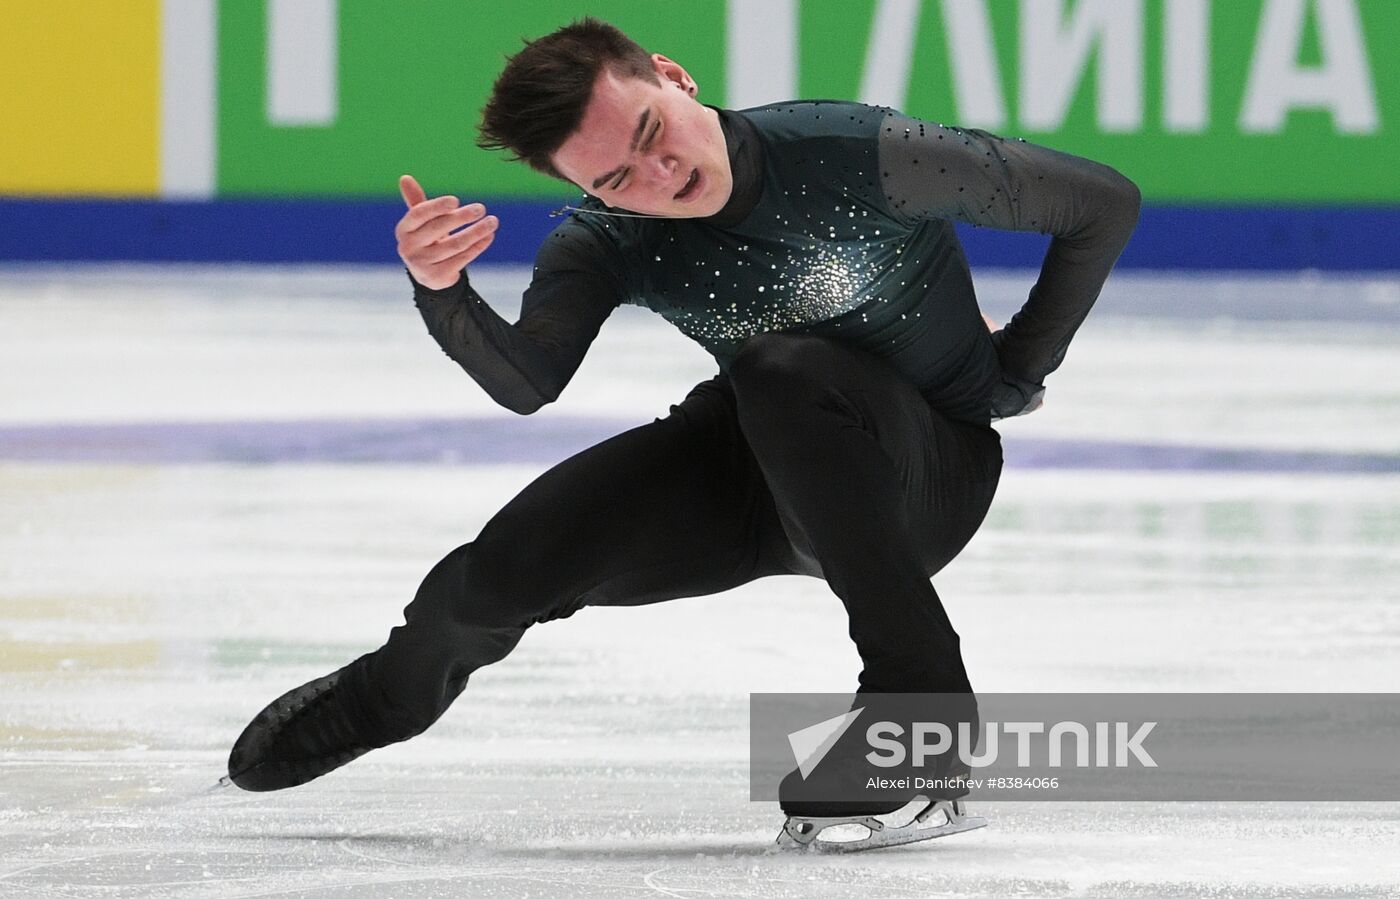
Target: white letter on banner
<point>1341,84</point>
<point>302,70</point>
<point>972,58</point>
<point>761,52</point>
<point>189,98</point>
<point>1186,65</point>
<point>889,56</point>
<point>1053,60</point>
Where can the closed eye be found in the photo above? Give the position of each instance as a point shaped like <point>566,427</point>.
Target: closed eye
<point>646,145</point>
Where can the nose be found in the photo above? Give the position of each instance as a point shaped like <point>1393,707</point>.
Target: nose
<point>660,169</point>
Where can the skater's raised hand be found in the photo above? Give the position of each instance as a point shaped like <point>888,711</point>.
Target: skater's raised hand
<point>438,237</point>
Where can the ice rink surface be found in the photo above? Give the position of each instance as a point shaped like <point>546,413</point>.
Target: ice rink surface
<point>218,483</point>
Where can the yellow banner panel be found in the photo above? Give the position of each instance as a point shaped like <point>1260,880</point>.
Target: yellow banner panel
<point>79,97</point>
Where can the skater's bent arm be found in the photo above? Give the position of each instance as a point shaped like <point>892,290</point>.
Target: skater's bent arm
<point>1090,210</point>
<point>521,366</point>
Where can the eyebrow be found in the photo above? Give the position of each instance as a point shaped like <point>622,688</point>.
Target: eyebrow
<point>636,136</point>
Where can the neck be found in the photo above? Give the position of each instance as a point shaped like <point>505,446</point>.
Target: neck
<point>745,155</point>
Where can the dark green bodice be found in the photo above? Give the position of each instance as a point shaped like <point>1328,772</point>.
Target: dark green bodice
<point>819,252</point>
<point>839,225</point>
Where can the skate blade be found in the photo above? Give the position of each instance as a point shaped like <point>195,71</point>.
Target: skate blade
<point>801,834</point>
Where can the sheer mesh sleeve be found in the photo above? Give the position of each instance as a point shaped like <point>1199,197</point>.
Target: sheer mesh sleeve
<point>933,171</point>
<point>526,365</point>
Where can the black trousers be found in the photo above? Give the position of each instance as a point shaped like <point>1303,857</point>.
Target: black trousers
<point>806,458</point>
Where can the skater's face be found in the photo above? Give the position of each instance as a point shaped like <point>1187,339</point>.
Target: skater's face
<point>649,146</point>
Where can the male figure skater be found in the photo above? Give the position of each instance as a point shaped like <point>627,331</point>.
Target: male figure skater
<point>809,247</point>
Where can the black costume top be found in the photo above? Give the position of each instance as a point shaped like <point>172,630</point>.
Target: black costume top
<point>839,226</point>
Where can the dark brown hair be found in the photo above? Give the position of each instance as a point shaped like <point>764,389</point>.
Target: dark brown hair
<point>540,96</point>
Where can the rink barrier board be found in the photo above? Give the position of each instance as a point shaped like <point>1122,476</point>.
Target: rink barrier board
<point>1219,238</point>
<point>1247,102</point>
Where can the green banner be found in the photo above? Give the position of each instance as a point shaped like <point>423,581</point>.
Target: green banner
<point>1200,101</point>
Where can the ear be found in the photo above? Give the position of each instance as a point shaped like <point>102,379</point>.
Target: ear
<point>671,71</point>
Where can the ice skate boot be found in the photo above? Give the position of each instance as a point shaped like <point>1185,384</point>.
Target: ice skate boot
<point>305,733</point>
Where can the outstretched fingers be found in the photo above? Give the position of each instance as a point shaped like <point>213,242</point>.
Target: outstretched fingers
<point>463,259</point>
<point>420,214</point>
<point>440,226</point>
<point>478,235</point>
<point>438,237</point>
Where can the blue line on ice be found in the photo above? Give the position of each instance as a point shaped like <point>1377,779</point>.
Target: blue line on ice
<point>478,441</point>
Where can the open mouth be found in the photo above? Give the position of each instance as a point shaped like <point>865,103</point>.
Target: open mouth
<point>692,186</point>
